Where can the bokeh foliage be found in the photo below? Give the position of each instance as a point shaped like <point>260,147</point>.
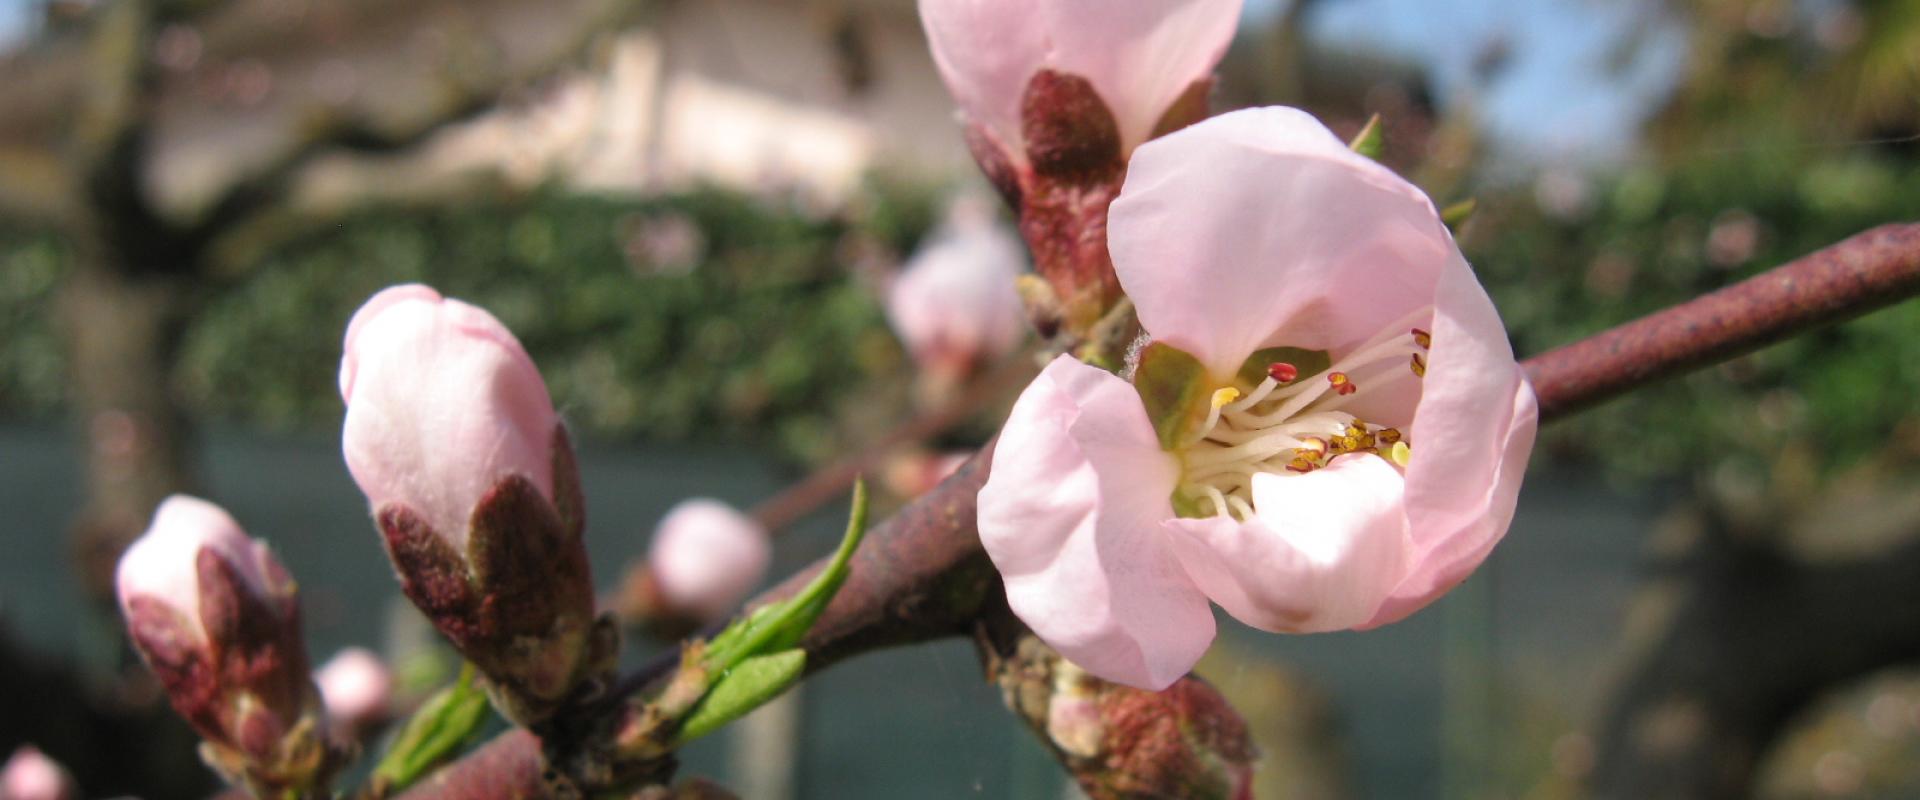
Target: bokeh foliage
<point>705,315</point>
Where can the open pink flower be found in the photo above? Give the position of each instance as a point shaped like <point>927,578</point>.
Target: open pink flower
<point>1140,56</point>
<point>442,403</point>
<point>1343,481</point>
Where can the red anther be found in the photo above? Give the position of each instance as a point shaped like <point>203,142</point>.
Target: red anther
<point>1342,385</point>
<point>1282,371</point>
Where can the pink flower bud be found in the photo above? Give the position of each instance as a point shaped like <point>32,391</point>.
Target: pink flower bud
<point>452,437</point>
<point>356,687</point>
<point>218,620</point>
<point>706,556</point>
<point>442,403</point>
<point>31,775</point>
<point>954,305</point>
<point>1140,56</point>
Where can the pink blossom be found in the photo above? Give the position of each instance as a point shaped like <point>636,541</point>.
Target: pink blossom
<point>1344,491</point>
<point>355,687</point>
<point>954,305</point>
<point>1139,56</point>
<point>217,620</point>
<point>31,775</point>
<point>442,403</point>
<point>706,557</point>
<point>163,564</point>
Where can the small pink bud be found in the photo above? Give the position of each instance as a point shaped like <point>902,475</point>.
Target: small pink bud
<point>217,619</point>
<point>954,304</point>
<point>162,565</point>
<point>31,775</point>
<point>356,687</point>
<point>442,404</point>
<point>706,557</point>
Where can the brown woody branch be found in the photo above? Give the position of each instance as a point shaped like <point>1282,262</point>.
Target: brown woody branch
<point>922,574</point>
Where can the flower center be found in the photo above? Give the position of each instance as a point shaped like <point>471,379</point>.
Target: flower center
<point>1294,424</point>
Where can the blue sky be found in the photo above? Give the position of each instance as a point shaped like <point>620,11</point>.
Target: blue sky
<point>1560,97</point>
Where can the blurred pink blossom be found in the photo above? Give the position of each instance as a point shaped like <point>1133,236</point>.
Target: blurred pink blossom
<point>954,304</point>
<point>1344,491</point>
<point>31,775</point>
<point>706,557</point>
<point>356,687</point>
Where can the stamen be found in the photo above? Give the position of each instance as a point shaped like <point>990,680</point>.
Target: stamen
<point>1400,454</point>
<point>1282,371</point>
<point>1423,338</point>
<point>1342,385</point>
<point>1419,365</point>
<point>1223,396</point>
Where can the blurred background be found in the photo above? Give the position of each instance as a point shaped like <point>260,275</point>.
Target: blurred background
<point>692,211</point>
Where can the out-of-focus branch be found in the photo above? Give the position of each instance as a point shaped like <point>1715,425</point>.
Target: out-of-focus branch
<point>1862,273</point>
<point>923,575</point>
<point>830,482</point>
<point>34,187</point>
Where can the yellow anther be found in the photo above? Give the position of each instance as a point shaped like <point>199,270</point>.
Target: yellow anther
<point>1419,365</point>
<point>1400,454</point>
<point>1342,385</point>
<point>1389,435</point>
<point>1422,338</point>
<point>1225,395</point>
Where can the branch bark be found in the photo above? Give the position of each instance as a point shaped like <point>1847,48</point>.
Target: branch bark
<point>923,575</point>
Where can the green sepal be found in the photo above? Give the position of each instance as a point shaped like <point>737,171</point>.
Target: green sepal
<point>1173,388</point>
<point>1457,214</point>
<point>779,626</point>
<point>1308,362</point>
<point>747,686</point>
<point>444,725</point>
<point>1370,141</point>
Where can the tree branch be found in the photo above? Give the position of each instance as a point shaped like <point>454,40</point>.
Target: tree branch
<point>1861,273</point>
<point>923,575</point>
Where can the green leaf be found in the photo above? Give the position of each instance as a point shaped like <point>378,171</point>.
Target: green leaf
<point>445,723</point>
<point>779,626</point>
<point>1457,214</point>
<point>1173,387</point>
<point>749,685</point>
<point>1308,362</point>
<point>1370,141</point>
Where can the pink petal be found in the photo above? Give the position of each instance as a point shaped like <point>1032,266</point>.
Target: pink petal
<point>707,557</point>
<point>163,562</point>
<point>442,403</point>
<point>1322,555</point>
<point>1139,55</point>
<point>986,50</point>
<point>1071,515</point>
<point>1259,227</point>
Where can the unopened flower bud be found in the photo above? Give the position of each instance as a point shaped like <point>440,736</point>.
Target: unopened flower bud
<point>217,619</point>
<point>453,439</point>
<point>357,688</point>
<point>1057,94</point>
<point>706,557</point>
<point>31,775</point>
<point>954,304</point>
